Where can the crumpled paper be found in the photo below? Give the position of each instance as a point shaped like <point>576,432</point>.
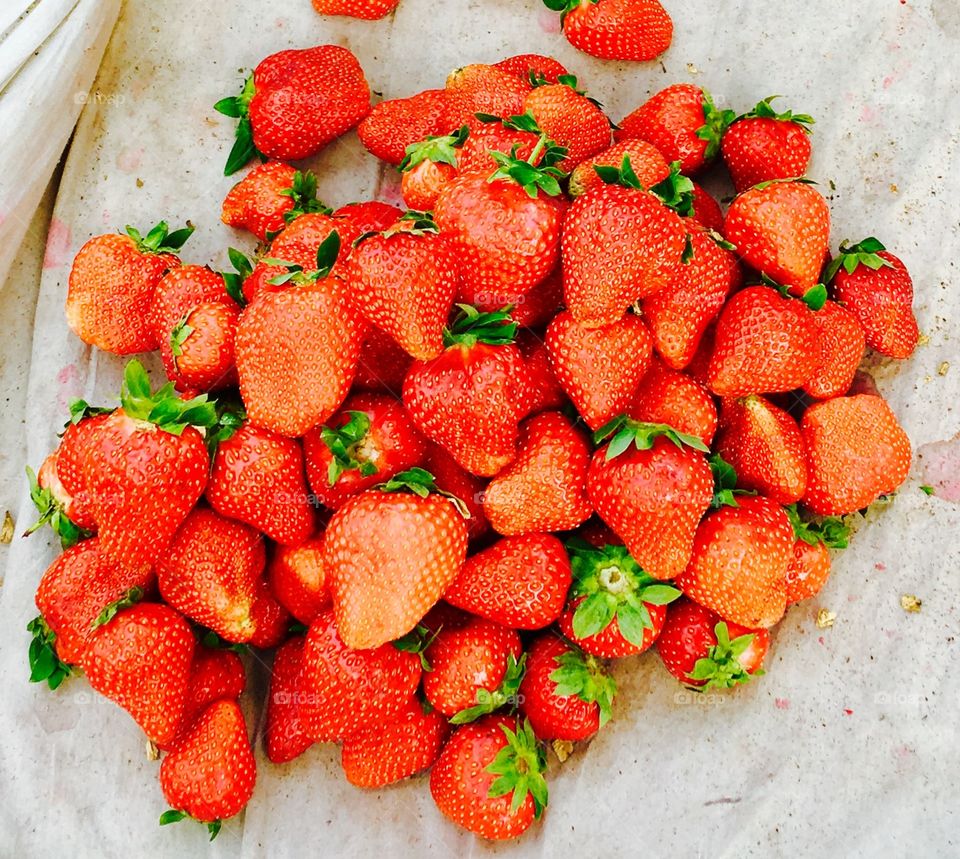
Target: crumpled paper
<point>847,746</point>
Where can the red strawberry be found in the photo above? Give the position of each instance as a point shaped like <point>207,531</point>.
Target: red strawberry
<point>646,161</point>
<point>367,10</point>
<point>141,660</point>
<point>810,566</point>
<point>198,352</point>
<point>382,365</point>
<point>428,166</point>
<point>387,753</point>
<point>70,517</point>
<point>483,89</point>
<point>545,487</point>
<point>528,66</point>
<point>616,609</point>
<point>543,390</point>
<point>285,736</point>
<point>390,554</point>
<point>764,343</point>
<point>704,651</point>
<point>370,216</point>
<point>345,691</point>
<point>566,693</point>
<point>489,778</point>
<point>110,291</point>
<point>271,621</point>
<point>78,439</point>
<point>616,29</point>
<point>488,135</point>
<point>215,673</point>
<point>876,288</point>
<point>451,478</point>
<point>599,368</point>
<point>397,123</point>
<point>257,477</point>
<point>763,145</point>
<point>782,230</point>
<point>857,451</point>
<point>269,197</point>
<point>669,397</point>
<point>740,560</point>
<point>570,119</point>
<point>181,290</point>
<point>369,441</point>
<point>295,103</point>
<point>298,579</point>
<point>706,210</point>
<point>651,485</point>
<point>520,582</point>
<point>842,342</point>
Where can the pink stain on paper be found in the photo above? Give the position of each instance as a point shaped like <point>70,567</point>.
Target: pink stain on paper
<point>781,703</point>
<point>549,22</point>
<point>58,244</point>
<point>68,380</point>
<point>129,159</point>
<point>940,468</point>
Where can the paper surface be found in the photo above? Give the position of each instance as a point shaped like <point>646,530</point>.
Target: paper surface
<point>847,746</point>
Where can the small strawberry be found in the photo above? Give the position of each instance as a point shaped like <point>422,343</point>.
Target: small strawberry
<point>454,480</point>
<point>370,216</point>
<point>295,103</point>
<point>271,621</point>
<point>428,166</point>
<point>489,778</point>
<point>269,197</point>
<point>570,119</point>
<point>181,290</point>
<point>397,123</point>
<point>483,89</point>
<point>706,210</point>
<point>70,517</point>
<point>646,161</point>
<point>544,392</point>
<point>112,280</point>
<point>533,66</point>
<point>875,286</point>
<point>490,134</point>
<point>382,365</point>
<point>367,10</point>
<point>857,451</point>
<point>810,566</point>
<point>615,29</point>
<point>285,735</point>
<point>842,342</point>
<point>216,673</point>
<point>198,352</point>
<point>298,579</point>
<point>670,397</point>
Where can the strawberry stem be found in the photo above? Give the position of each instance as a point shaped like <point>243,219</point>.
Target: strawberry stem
<point>623,432</point>
<point>520,766</point>
<point>163,408</point>
<point>583,675</point>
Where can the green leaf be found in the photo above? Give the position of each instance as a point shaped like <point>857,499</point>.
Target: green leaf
<point>715,124</point>
<point>642,435</point>
<point>172,816</point>
<point>624,175</point>
<point>45,664</point>
<point>594,614</point>
<point>583,675</point>
<point>344,442</point>
<point>815,297</point>
<point>163,407</point>
<point>243,150</point>
<point>440,149</point>
<point>765,110</point>
<point>327,253</point>
<point>130,598</point>
<point>675,191</point>
<point>659,594</point>
<point>832,531</point>
<point>470,327</point>
<point>181,332</point>
<point>520,766</point>
<point>213,827</point>
<point>927,490</point>
<point>505,694</point>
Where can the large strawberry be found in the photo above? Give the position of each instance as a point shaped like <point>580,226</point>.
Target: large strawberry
<point>366,10</point>
<point>479,88</point>
<point>842,342</point>
<point>673,398</point>
<point>295,103</point>
<point>397,123</point>
<point>269,197</point>
<point>569,118</point>
<point>298,579</point>
<point>615,29</point>
<point>285,736</point>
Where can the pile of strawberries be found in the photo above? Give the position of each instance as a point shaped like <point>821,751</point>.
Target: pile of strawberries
<point>450,462</point>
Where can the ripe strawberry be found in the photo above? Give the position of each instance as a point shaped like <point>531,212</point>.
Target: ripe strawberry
<point>404,281</point>
<point>181,290</point>
<point>679,313</point>
<point>764,343</point>
<point>367,10</point>
<point>344,691</point>
<point>472,397</point>
<point>271,621</point>
<point>703,651</point>
<point>842,342</point>
<point>489,778</point>
<point>652,495</point>
<point>295,103</point>
<point>397,123</point>
<point>198,352</point>
<point>70,517</point>
<point>615,29</point>
<point>810,565</point>
<point>111,285</point>
<point>669,397</point>
<point>876,288</point>
<point>483,89</point>
<point>570,119</point>
<point>428,166</point>
<point>682,122</point>
<point>382,365</point>
<point>762,444</point>
<point>857,451</point>
<point>141,660</point>
<point>269,197</point>
<point>543,390</point>
<point>298,579</point>
<point>454,480</point>
<point>520,582</point>
<point>530,66</point>
<point>285,736</point>
<point>488,134</point>
<point>406,745</point>
<point>620,244</point>
<point>706,210</point>
<point>257,477</point>
<point>545,487</point>
<point>370,216</point>
<point>390,554</point>
<point>615,609</point>
<point>740,560</point>
<point>566,693</point>
<point>763,145</point>
<point>371,440</point>
<point>211,776</point>
<point>646,161</point>
<point>781,229</point>
<point>599,368</point>
<point>211,572</point>
<point>215,674</point>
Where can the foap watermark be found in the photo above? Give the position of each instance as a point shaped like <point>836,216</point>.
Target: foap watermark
<point>82,97</point>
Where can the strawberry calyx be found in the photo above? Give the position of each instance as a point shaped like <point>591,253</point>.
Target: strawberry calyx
<point>440,149</point>
<point>413,222</point>
<point>715,124</point>
<point>585,676</point>
<point>613,585</point>
<point>175,815</point>
<point>815,297</point>
<point>721,667</point>
<point>539,172</point>
<point>852,256</point>
<point>233,280</point>
<point>179,335</point>
<point>163,408</point>
<point>130,598</point>
<point>725,490</point>
<point>675,191</point>
<point>564,7</point>
<point>470,327</point>
<point>520,765</point>
<point>765,110</point>
<point>238,107</point>
<point>327,255</point>
<point>80,410</point>
<point>211,640</point>
<point>45,665</point>
<point>230,416</point>
<point>504,695</point>
<point>417,641</point>
<point>421,482</point>
<point>160,240</point>
<point>303,192</point>
<point>832,531</point>
<point>348,447</point>
<point>51,513</point>
<point>624,432</point>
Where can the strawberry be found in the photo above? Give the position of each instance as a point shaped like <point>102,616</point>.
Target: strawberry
<point>271,621</point>
<point>652,495</point>
<point>454,480</point>
<point>367,10</point>
<point>285,736</point>
<point>764,343</point>
<point>490,134</point>
<point>545,487</point>
<point>615,29</point>
<point>678,314</point>
<point>566,693</point>
<point>180,291</point>
<point>483,89</point>
<point>876,288</point>
<point>343,691</point>
<point>198,352</point>
<point>570,119</point>
<point>111,285</point>
<point>762,443</point>
<point>295,103</point>
<point>211,571</point>
<point>489,778</point>
<point>705,652</point>
<point>406,745</point>
<point>382,365</point>
<point>370,441</point>
<point>370,216</point>
<point>70,517</point>
<point>140,659</point>
<point>682,122</point>
<point>842,342</point>
<point>615,609</point>
<point>397,123</point>
<point>706,210</point>
<point>810,565</point>
<point>404,281</point>
<point>646,161</point>
<point>298,579</point>
<point>599,368</point>
<point>269,197</point>
<point>740,560</point>
<point>390,554</point>
<point>543,390</point>
<point>669,397</point>
<point>215,673</point>
<point>857,451</point>
<point>781,229</point>
<point>520,582</point>
<point>763,145</point>
<point>428,166</point>
<point>257,477</point>
<point>471,398</point>
<point>211,776</point>
<point>288,383</point>
<point>620,244</point>
<point>533,66</point>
